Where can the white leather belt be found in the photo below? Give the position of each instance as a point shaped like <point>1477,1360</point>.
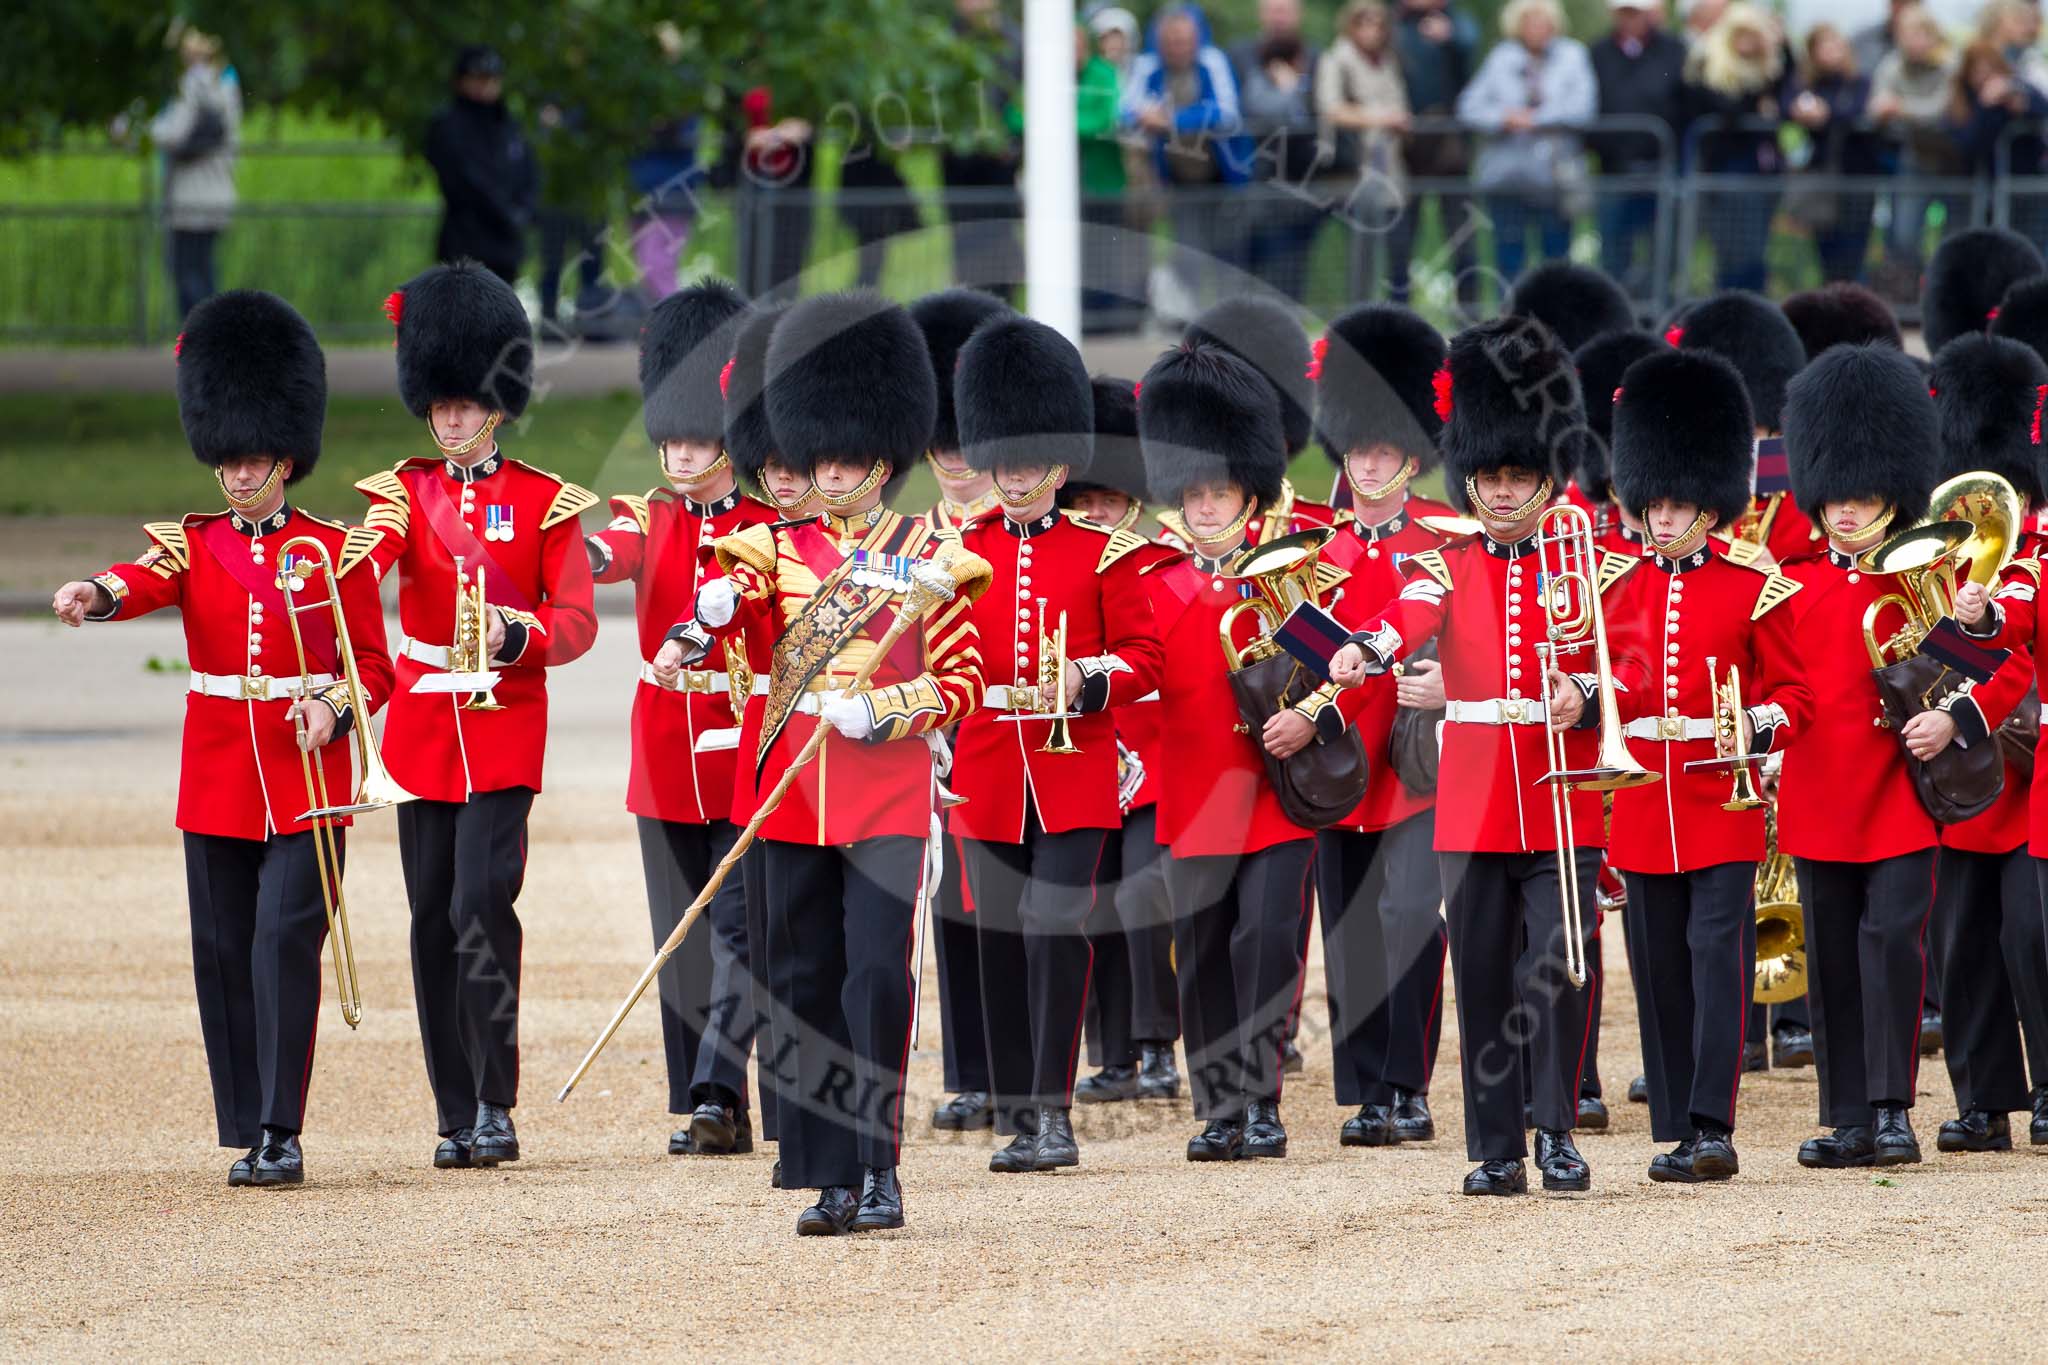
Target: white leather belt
<point>1003,697</point>
<point>701,680</point>
<point>813,703</point>
<point>242,687</point>
<point>433,656</point>
<point>1669,728</point>
<point>1498,711</point>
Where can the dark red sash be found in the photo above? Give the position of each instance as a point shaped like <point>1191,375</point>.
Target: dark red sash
<point>461,543</point>
<point>1180,582</point>
<point>230,550</point>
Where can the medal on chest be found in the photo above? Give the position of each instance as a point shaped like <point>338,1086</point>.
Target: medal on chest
<point>498,521</point>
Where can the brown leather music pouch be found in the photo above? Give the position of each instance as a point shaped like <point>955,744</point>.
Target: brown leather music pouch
<point>1325,781</point>
<point>1957,783</point>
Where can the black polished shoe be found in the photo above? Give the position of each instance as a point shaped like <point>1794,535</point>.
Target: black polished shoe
<point>1412,1121</point>
<point>1675,1166</point>
<point>1756,1056</point>
<point>278,1160</point>
<point>1109,1085</point>
<point>2037,1131</point>
<point>680,1143</point>
<point>1839,1150</point>
<point>1056,1146</point>
<point>775,1175</point>
<point>721,1130</point>
<point>965,1112</point>
<point>495,1139</point>
<point>1021,1155</point>
<point>1791,1047</point>
<point>881,1201</point>
<point>1290,1058</point>
<point>1497,1177</point>
<point>1976,1131</point>
<point>1639,1090</point>
<point>1264,1134</point>
<point>1894,1141</point>
<point>1371,1126</point>
<point>1930,1032</point>
<point>1562,1166</point>
<point>453,1154</point>
<point>243,1171</point>
<point>1158,1077</point>
<point>831,1214</point>
<point>1592,1114</point>
<point>1713,1156</point>
<point>1219,1140</point>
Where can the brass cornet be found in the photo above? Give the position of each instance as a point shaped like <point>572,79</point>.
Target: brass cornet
<point>1568,568</point>
<point>1052,668</point>
<point>1731,745</point>
<point>375,788</point>
<point>467,654</point>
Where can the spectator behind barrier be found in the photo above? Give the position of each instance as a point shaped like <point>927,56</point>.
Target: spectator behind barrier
<point>1640,71</point>
<point>1438,44</point>
<point>490,182</point>
<point>1829,99</point>
<point>1362,111</point>
<point>1909,95</point>
<point>1735,74</point>
<point>1276,87</point>
<point>198,132</point>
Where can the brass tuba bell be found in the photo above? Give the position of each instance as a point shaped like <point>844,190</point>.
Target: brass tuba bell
<point>1780,928</point>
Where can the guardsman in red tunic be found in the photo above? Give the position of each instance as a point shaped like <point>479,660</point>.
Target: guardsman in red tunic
<point>681,796</point>
<point>1861,434</point>
<point>1990,937</point>
<point>1376,869</point>
<point>850,400</point>
<point>252,391</point>
<point>1682,458</point>
<point>1238,876</point>
<point>1133,1003</point>
<point>1512,416</point>
<point>1037,823</point>
<point>465,365</point>
<point>947,318</point>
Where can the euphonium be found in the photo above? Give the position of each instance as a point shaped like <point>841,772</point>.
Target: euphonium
<point>375,788</point>
<point>1567,563</point>
<point>1283,573</point>
<point>1974,519</point>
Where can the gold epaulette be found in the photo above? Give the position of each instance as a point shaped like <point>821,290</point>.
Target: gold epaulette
<point>946,535</point>
<point>390,503</point>
<point>571,501</point>
<point>1328,576</point>
<point>1777,589</point>
<point>170,538</point>
<point>1432,563</point>
<point>356,547</point>
<point>753,546</point>
<point>386,484</point>
<point>1745,553</point>
<point>1614,566</point>
<point>1176,526</point>
<point>634,505</point>
<point>1120,544</point>
<point>2030,566</point>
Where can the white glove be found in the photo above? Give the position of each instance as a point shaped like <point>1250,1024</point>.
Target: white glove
<point>716,602</point>
<point>849,716</point>
<point>933,579</point>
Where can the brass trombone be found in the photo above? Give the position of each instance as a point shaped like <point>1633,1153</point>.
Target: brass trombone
<point>1731,745</point>
<point>1567,563</point>
<point>375,788</point>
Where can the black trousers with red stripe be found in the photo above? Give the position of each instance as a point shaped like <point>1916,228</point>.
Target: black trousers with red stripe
<point>1692,952</point>
<point>963,1045</point>
<point>464,863</point>
<point>1032,901</point>
<point>839,983</point>
<point>257,925</point>
<point>1507,963</point>
<point>1992,946</point>
<point>1866,971</point>
<point>1132,1000</point>
<point>707,991</point>
<point>1236,922</point>
<point>1383,957</point>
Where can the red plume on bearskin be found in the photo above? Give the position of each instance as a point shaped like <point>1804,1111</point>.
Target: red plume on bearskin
<point>1674,335</point>
<point>1441,383</point>
<point>725,380</point>
<point>394,306</point>
<point>1318,348</point>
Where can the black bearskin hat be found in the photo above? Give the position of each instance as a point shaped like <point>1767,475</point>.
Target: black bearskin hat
<point>1967,279</point>
<point>1986,391</point>
<point>1513,402</point>
<point>849,377</point>
<point>1576,302</point>
<point>2023,314</point>
<point>683,351</point>
<point>1022,395</point>
<point>1269,336</point>
<point>461,334</point>
<point>1682,430</point>
<point>1752,334</point>
<point>1375,383</point>
<point>1859,423</point>
<point>1118,463</point>
<point>744,387</point>
<point>252,380</point>
<point>1841,314</point>
<point>1204,412</point>
<point>947,319</point>
<point>1601,362</point>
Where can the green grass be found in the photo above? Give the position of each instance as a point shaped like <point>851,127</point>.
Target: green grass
<point>125,455</point>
